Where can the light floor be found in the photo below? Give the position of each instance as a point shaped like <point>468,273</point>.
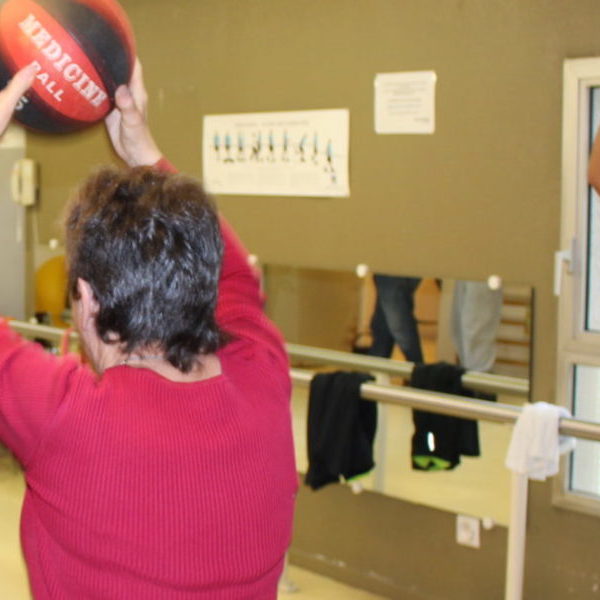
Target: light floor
<point>13,578</point>
<point>315,587</point>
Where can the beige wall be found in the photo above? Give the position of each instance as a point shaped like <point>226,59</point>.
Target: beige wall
<point>480,196</point>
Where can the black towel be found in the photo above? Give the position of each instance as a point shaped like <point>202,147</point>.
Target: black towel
<point>439,440</point>
<point>341,428</point>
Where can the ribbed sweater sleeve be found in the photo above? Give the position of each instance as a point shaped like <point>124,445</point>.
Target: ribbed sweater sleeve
<point>240,305</point>
<point>33,384</point>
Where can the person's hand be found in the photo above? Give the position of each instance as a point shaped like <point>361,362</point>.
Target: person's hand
<point>127,126</point>
<point>10,95</point>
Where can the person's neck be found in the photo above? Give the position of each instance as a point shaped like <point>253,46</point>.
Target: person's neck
<point>205,367</point>
<point>141,358</point>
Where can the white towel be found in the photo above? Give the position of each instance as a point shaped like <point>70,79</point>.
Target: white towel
<point>535,445</point>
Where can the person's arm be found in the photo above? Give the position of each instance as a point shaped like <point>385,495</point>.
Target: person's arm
<point>594,165</point>
<point>33,385</point>
<point>32,382</point>
<point>240,305</point>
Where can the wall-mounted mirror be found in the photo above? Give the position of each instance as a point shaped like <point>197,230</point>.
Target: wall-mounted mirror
<point>335,310</point>
<point>405,317</point>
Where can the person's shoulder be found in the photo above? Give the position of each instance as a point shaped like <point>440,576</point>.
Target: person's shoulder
<point>241,350</point>
<point>253,361</point>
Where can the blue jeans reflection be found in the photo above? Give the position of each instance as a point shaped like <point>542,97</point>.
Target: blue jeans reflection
<point>393,320</point>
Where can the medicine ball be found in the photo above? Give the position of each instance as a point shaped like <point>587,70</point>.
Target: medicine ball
<point>83,50</point>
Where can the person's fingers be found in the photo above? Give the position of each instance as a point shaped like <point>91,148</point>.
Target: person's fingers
<point>137,76</point>
<point>127,126</point>
<point>112,122</point>
<point>11,94</point>
<point>123,98</point>
<point>137,87</point>
<point>19,84</point>
<point>131,115</point>
<point>112,117</point>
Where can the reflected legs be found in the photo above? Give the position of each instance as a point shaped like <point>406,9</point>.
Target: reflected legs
<point>475,319</point>
<point>393,319</point>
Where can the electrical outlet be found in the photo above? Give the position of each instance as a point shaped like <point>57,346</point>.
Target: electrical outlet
<point>467,531</point>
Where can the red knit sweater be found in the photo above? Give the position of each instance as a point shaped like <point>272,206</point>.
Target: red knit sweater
<point>142,488</point>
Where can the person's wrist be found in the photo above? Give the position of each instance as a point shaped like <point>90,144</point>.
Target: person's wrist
<point>142,153</point>
<point>145,158</point>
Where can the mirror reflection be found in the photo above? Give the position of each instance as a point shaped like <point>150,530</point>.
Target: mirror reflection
<point>419,319</point>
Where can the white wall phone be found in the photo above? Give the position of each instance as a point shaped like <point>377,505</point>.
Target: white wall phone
<point>13,265</point>
<point>24,182</point>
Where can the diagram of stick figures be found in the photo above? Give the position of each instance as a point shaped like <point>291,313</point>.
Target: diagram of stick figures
<point>285,146</point>
<point>241,155</point>
<point>217,145</point>
<point>228,158</point>
<point>315,154</point>
<point>304,152</point>
<point>329,164</point>
<point>256,147</point>
<point>271,157</point>
<point>302,148</point>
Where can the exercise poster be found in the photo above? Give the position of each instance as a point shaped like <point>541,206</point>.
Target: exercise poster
<point>300,153</point>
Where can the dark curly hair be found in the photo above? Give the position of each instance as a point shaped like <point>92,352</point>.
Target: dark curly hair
<point>149,245</point>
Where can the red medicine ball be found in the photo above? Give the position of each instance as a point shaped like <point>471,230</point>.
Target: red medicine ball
<point>83,49</point>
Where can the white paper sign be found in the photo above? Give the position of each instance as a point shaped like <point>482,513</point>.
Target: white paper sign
<point>405,102</point>
<point>299,153</point>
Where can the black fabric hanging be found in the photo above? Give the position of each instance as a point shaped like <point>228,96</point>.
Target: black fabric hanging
<point>438,440</point>
<point>341,428</point>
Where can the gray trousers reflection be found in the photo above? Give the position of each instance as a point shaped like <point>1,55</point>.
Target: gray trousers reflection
<point>475,318</point>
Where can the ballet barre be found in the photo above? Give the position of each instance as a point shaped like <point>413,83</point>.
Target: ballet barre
<point>35,330</point>
<point>458,406</point>
<point>455,406</point>
<point>483,382</point>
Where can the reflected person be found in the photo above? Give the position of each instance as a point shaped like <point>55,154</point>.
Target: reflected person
<point>393,320</point>
<point>476,312</point>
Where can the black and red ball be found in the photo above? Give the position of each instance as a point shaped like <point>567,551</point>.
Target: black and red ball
<point>83,50</point>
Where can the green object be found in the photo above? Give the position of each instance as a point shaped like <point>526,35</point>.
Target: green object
<point>431,463</point>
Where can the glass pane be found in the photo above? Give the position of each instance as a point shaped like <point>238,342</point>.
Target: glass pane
<point>585,461</point>
<point>592,313</point>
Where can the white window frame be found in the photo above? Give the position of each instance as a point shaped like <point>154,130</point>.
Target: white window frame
<point>576,346</point>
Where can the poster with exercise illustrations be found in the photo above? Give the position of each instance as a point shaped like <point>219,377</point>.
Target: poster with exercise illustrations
<point>300,153</point>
